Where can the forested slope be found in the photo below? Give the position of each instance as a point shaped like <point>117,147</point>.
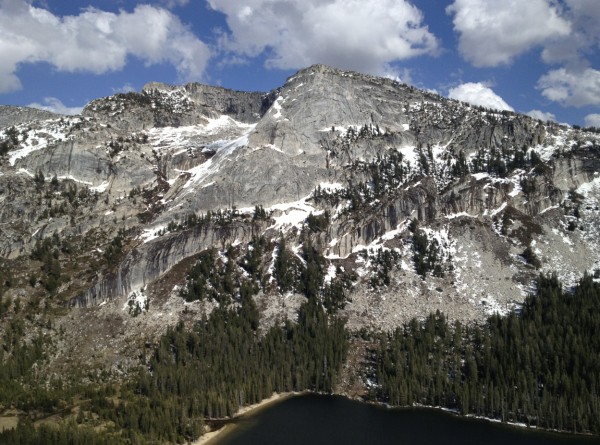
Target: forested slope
<point>540,366</point>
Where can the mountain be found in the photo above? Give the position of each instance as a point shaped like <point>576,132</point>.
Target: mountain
<point>10,115</point>
<point>412,202</point>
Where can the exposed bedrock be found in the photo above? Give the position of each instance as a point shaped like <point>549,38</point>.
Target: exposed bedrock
<point>151,260</point>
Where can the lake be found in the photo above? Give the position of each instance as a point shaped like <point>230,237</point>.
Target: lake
<point>333,420</point>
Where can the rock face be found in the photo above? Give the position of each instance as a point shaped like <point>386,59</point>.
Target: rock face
<point>19,115</point>
<point>382,163</point>
<point>162,105</point>
<point>149,261</point>
<point>240,105</point>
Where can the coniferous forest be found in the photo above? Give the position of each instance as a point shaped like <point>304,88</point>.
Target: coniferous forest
<point>208,370</point>
<point>540,365</point>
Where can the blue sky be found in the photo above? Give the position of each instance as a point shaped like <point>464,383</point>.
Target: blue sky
<point>540,57</point>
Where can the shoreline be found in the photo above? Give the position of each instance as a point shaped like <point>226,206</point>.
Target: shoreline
<point>471,416</point>
<point>208,437</point>
<point>468,416</point>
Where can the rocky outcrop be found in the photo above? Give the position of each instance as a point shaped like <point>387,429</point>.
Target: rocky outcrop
<point>19,115</point>
<point>240,105</point>
<point>480,198</point>
<point>162,105</point>
<point>149,261</point>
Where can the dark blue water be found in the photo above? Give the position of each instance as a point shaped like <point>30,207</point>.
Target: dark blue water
<point>327,420</point>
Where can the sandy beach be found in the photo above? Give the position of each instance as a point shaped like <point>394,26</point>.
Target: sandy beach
<point>208,437</point>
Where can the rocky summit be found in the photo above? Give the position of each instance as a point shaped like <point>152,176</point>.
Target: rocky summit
<point>413,202</point>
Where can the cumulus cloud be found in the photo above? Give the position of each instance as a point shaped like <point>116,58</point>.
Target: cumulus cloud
<point>56,106</point>
<point>364,35</point>
<point>571,87</point>
<point>585,36</point>
<point>494,32</point>
<point>477,93</point>
<point>95,41</point>
<point>592,120</point>
<point>541,115</point>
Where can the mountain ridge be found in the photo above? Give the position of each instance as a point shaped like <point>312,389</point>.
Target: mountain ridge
<point>427,203</point>
<point>14,115</point>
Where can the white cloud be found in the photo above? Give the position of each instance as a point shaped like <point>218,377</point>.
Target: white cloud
<point>571,87</point>
<point>478,94</point>
<point>403,76</point>
<point>174,3</point>
<point>541,115</point>
<point>56,106</point>
<point>95,41</point>
<point>127,88</point>
<point>584,16</point>
<point>364,35</point>
<point>494,32</point>
<point>592,120</point>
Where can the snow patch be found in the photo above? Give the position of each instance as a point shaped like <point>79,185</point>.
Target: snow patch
<point>73,178</point>
<point>331,186</point>
<point>548,209</point>
<point>586,188</point>
<point>223,150</point>
<point>292,214</point>
<point>51,131</point>
<point>176,137</point>
<point>409,154</point>
<point>137,302</point>
<point>100,188</point>
<point>480,176</point>
<point>26,172</point>
<point>276,108</point>
<point>495,211</point>
<point>460,214</point>
<point>515,180</point>
<point>152,233</point>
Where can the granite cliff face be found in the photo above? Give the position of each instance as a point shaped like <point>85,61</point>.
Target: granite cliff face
<point>379,162</point>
